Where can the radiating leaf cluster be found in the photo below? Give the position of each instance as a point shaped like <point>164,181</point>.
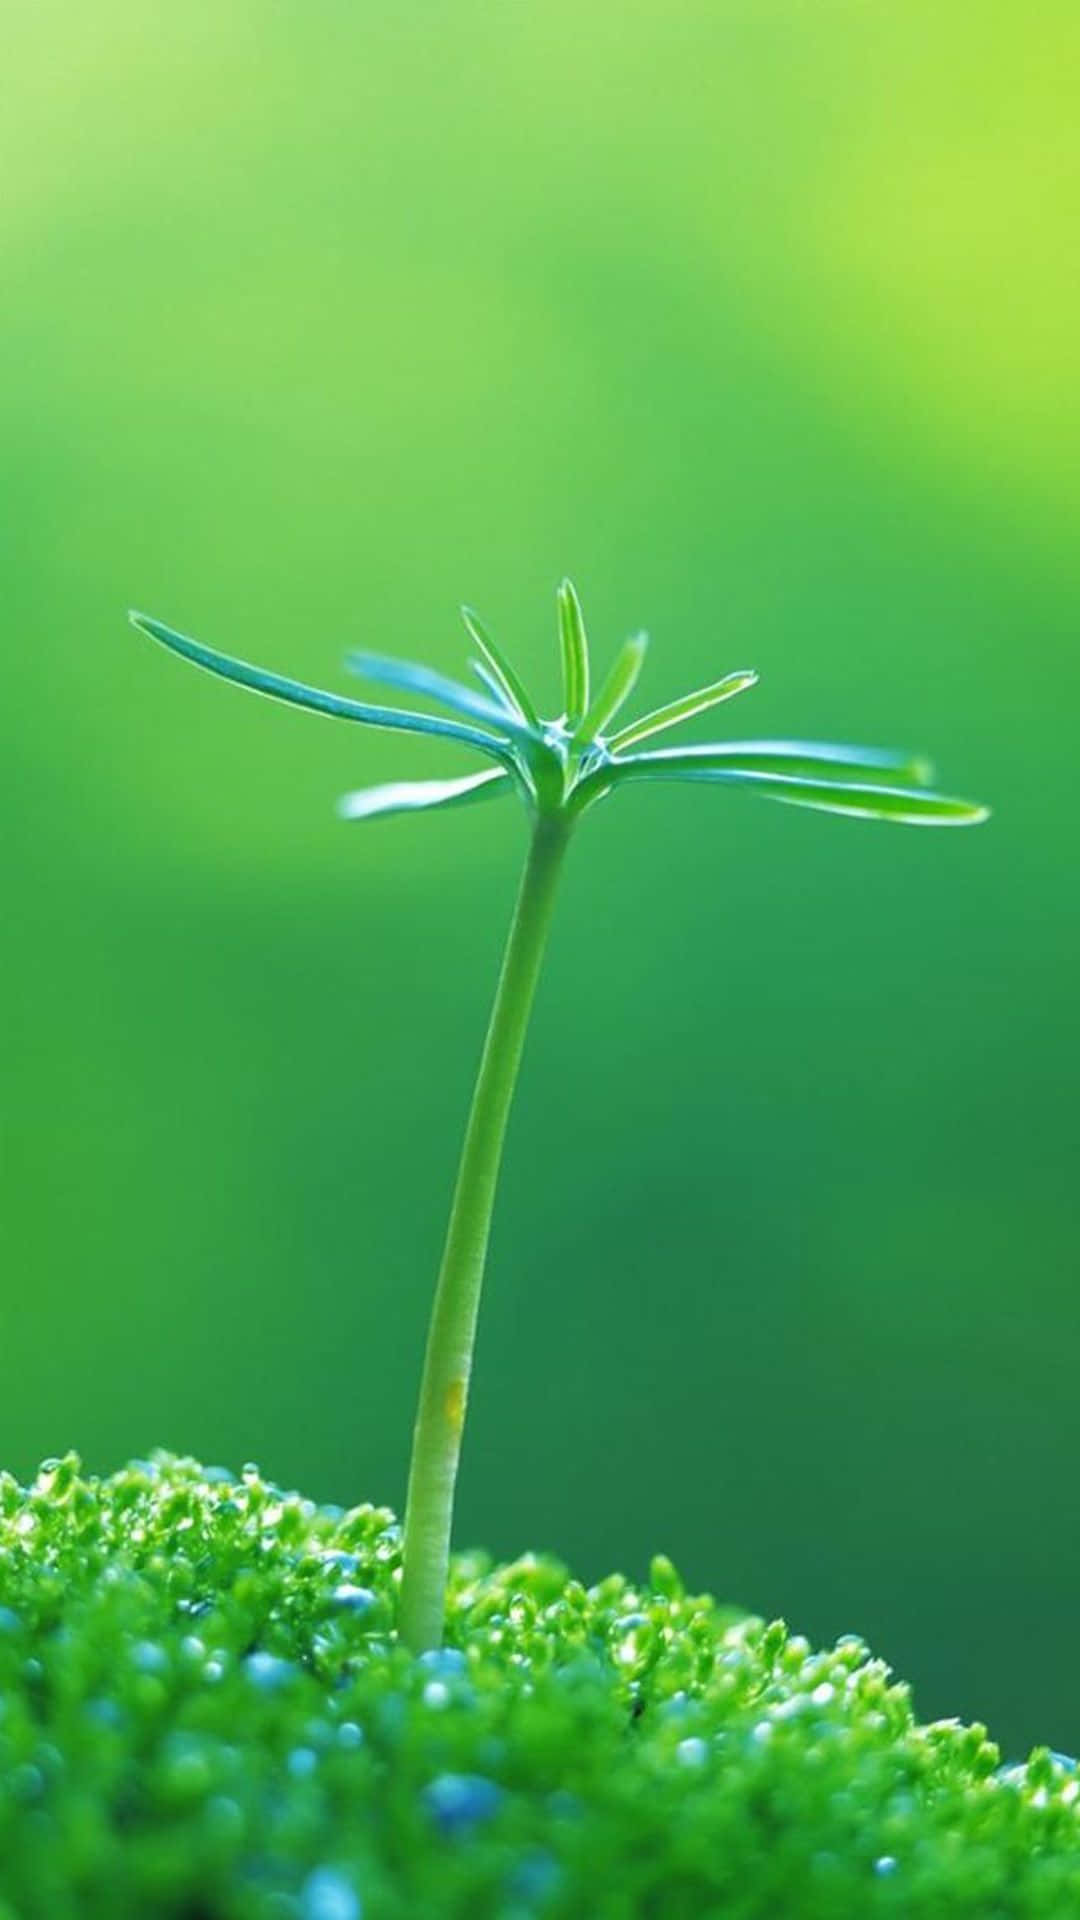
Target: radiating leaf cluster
<point>566,764</point>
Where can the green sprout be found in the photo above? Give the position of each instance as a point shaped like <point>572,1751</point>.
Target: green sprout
<point>559,768</point>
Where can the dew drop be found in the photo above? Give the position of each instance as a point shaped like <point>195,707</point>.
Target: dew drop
<point>457,1801</point>
<point>350,1599</point>
<point>268,1672</point>
<point>327,1895</point>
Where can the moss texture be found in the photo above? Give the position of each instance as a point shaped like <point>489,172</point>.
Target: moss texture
<point>203,1714</point>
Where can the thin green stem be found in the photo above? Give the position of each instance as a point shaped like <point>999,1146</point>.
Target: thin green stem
<point>444,1388</point>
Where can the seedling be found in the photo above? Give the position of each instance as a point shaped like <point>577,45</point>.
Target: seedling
<point>559,768</point>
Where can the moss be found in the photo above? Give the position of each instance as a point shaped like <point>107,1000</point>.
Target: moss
<point>203,1714</point>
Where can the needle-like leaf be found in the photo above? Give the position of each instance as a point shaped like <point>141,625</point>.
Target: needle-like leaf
<point>276,687</point>
<point>789,757</point>
<point>575,655</point>
<point>414,796</point>
<point>684,709</point>
<point>499,665</point>
<point>910,806</point>
<point>495,688</point>
<point>618,687</point>
<point>414,678</point>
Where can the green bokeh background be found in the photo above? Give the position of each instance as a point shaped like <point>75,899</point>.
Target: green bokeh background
<point>759,318</point>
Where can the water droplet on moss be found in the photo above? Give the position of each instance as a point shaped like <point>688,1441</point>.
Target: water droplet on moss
<point>225,1815</point>
<point>535,1877</point>
<point>104,1713</point>
<point>444,1661</point>
<point>148,1657</point>
<point>564,1805</point>
<point>268,1671</point>
<point>338,1557</point>
<point>327,1895</point>
<point>350,1599</point>
<point>25,1784</point>
<point>458,1801</point>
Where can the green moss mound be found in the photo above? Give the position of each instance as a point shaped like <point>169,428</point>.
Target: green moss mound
<point>203,1714</point>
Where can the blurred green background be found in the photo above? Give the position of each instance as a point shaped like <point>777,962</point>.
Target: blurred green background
<point>760,319</point>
